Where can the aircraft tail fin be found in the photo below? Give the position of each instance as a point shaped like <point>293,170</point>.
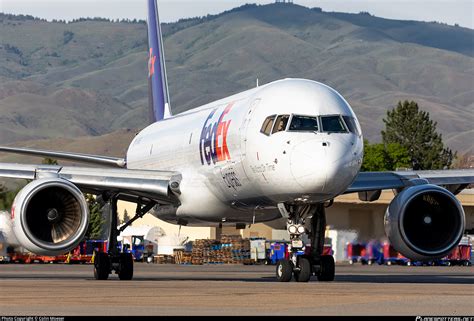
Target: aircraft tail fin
<point>158,95</point>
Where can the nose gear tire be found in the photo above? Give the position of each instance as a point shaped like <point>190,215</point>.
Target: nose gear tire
<point>304,272</point>
<point>284,271</point>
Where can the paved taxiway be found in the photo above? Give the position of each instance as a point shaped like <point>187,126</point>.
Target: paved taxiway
<point>235,290</point>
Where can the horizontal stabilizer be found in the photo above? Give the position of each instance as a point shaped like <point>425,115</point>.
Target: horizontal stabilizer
<point>83,158</point>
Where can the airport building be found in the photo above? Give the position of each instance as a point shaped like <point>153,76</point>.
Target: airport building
<point>348,219</point>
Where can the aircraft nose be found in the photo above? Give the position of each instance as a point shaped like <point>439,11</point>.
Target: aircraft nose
<point>323,165</point>
<point>342,165</point>
<point>307,163</point>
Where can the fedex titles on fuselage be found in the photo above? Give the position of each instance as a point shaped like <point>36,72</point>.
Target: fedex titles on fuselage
<point>213,142</point>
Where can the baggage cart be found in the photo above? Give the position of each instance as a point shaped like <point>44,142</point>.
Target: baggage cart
<point>277,252</point>
<point>392,256</point>
<point>373,253</point>
<point>355,252</point>
<point>461,255</point>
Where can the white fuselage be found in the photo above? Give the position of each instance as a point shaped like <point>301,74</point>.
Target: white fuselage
<point>234,173</point>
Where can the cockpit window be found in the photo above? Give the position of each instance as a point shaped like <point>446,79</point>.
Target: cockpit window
<point>333,124</point>
<point>351,124</point>
<point>280,123</point>
<point>304,123</point>
<point>267,125</point>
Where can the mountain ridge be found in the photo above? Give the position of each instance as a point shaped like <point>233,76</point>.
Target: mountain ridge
<point>102,66</point>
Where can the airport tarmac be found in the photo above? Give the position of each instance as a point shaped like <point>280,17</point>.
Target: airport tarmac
<point>49,290</point>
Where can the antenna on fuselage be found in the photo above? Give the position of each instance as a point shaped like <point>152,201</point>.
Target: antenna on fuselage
<point>257,82</point>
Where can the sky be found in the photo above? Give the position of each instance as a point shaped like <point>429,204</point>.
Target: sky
<point>447,11</point>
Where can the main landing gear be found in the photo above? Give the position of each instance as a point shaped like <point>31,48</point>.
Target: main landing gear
<point>310,219</point>
<point>115,260</point>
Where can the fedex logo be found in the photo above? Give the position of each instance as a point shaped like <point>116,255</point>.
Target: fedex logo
<point>213,142</point>
<point>151,63</point>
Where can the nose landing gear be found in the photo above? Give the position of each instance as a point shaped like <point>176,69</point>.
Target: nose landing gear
<point>310,219</point>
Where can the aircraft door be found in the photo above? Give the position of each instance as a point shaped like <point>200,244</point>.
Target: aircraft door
<point>245,126</point>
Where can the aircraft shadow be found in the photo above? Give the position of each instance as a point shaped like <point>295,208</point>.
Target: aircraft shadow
<point>408,278</point>
<point>461,277</point>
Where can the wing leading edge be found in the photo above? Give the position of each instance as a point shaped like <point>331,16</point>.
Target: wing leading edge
<point>159,186</point>
<point>454,180</point>
<point>84,158</point>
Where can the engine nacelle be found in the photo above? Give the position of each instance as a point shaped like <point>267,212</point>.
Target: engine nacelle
<point>50,216</point>
<point>424,222</point>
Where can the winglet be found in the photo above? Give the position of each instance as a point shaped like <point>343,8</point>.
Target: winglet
<point>158,95</point>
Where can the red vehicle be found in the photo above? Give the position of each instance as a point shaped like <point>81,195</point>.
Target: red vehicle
<point>461,255</point>
<point>355,252</point>
<point>392,256</point>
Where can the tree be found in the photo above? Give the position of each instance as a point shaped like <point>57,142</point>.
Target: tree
<point>96,221</point>
<point>6,198</point>
<point>126,217</point>
<point>49,161</point>
<point>381,157</point>
<point>413,129</point>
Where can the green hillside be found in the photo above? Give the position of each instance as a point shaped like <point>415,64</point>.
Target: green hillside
<point>88,78</point>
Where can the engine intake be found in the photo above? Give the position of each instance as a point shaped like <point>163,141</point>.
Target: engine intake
<point>50,216</point>
<point>424,222</point>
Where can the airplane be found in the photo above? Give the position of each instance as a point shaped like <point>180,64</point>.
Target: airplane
<point>285,149</point>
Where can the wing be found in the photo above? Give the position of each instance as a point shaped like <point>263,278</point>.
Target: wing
<point>132,185</point>
<point>367,183</point>
<point>86,158</point>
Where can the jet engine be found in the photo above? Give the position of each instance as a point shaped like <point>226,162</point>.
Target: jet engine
<point>424,222</point>
<point>50,216</point>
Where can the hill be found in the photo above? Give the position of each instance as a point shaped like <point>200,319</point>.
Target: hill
<point>88,78</point>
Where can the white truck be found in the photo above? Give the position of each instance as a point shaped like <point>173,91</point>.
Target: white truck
<point>258,250</point>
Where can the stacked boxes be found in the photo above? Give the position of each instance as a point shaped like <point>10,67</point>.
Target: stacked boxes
<point>238,249</point>
<point>230,249</point>
<point>164,259</point>
<point>182,257</point>
<point>203,251</point>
